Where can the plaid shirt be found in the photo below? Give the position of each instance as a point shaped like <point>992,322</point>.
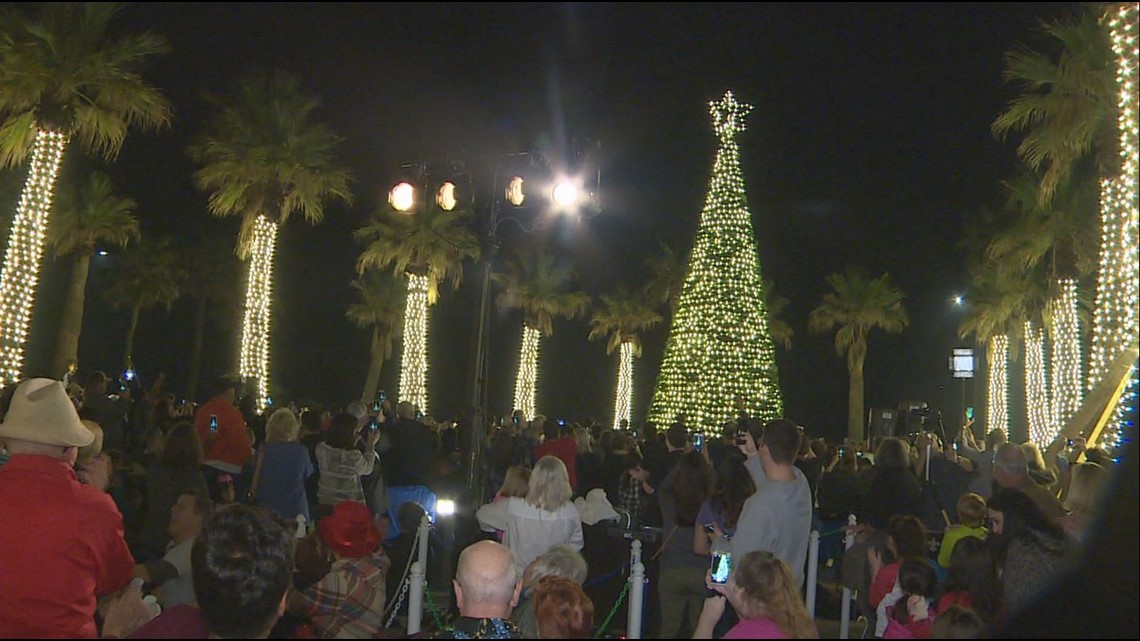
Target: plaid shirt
<point>629,498</point>
<point>349,602</point>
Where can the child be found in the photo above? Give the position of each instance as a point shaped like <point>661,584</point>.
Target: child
<point>910,617</point>
<point>958,623</point>
<point>971,515</point>
<point>515,484</point>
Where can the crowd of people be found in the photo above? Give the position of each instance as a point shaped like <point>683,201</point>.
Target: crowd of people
<point>132,514</point>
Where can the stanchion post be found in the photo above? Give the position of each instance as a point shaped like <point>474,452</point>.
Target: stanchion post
<point>813,571</point>
<point>636,592</point>
<point>416,599</point>
<point>845,606</point>
<point>424,535</point>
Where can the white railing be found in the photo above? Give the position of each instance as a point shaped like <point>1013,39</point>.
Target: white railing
<point>416,587</point>
<point>812,571</point>
<point>636,591</point>
<point>845,606</point>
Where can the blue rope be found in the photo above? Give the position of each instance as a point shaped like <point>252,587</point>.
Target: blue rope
<point>606,577</point>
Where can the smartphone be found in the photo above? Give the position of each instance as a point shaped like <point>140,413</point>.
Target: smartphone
<point>841,452</point>
<point>129,375</point>
<point>955,446</point>
<point>1070,443</point>
<point>268,400</point>
<point>376,405</point>
<point>419,416</point>
<point>561,422</point>
<point>721,567</point>
<point>742,437</point>
<point>382,396</point>
<point>373,424</point>
<point>515,419</point>
<point>969,413</point>
<point>698,442</point>
<point>213,422</point>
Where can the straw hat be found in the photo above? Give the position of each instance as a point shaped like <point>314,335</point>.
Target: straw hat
<point>350,530</point>
<point>41,412</point>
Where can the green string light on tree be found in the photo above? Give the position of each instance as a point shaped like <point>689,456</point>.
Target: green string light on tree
<point>720,347</point>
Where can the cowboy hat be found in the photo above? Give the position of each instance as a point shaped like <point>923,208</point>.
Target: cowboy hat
<point>41,412</point>
<point>595,507</point>
<point>350,530</point>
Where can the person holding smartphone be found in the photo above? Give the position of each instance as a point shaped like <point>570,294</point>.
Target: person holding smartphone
<point>226,446</point>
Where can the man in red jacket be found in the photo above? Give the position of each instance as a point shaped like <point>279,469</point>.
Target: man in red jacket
<point>222,431</point>
<point>62,540</point>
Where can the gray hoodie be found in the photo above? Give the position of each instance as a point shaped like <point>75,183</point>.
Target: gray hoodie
<point>776,518</point>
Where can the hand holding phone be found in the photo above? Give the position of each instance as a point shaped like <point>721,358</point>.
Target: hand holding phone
<point>213,422</point>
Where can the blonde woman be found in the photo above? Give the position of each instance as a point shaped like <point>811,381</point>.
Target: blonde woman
<point>1086,493</point>
<point>767,599</point>
<point>516,484</point>
<point>545,517</point>
<point>285,464</point>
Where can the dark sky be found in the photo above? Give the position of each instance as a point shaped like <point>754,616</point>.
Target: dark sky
<point>868,144</point>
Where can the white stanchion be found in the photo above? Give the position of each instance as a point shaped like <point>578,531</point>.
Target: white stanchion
<point>636,592</point>
<point>416,599</point>
<point>416,580</point>
<point>845,607</point>
<point>812,572</point>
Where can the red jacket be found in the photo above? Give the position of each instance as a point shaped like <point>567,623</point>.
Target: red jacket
<point>565,448</point>
<point>231,445</point>
<point>61,545</point>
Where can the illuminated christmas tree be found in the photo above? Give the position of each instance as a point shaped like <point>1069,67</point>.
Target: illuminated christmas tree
<point>720,347</point>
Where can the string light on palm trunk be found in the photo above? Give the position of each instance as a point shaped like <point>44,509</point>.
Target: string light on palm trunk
<point>25,249</point>
<point>414,362</point>
<point>1036,396</point>
<point>526,385</point>
<point>1115,319</point>
<point>998,400</point>
<point>1067,388</point>
<point>258,305</point>
<point>623,402</point>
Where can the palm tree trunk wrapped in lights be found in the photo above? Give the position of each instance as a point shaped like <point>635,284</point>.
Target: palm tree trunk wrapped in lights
<point>25,249</point>
<point>258,297</point>
<point>623,402</point>
<point>998,401</point>
<point>1036,395</point>
<point>1066,385</point>
<point>414,360</point>
<point>526,384</point>
<point>1115,319</point>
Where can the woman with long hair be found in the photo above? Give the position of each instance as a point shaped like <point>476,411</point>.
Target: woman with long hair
<point>683,490</point>
<point>545,517</point>
<point>176,470</point>
<point>972,581</point>
<point>719,513</point>
<point>1030,552</point>
<point>767,599</point>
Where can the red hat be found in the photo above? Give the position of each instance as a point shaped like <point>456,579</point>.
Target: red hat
<point>350,530</point>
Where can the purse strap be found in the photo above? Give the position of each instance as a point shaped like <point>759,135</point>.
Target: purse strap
<point>257,472</point>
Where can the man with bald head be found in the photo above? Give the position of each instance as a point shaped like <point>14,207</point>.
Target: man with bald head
<point>487,585</point>
<point>1011,470</point>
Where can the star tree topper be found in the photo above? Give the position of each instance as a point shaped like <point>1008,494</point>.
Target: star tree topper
<point>728,115</point>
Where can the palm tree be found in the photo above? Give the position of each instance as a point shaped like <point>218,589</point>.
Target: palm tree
<point>781,331</point>
<point>89,216</point>
<point>430,247</point>
<point>379,309</point>
<point>1067,104</point>
<point>214,283</point>
<point>855,306</point>
<point>264,158</point>
<point>1000,303</point>
<point>620,319</point>
<point>149,273</point>
<point>668,268</point>
<point>63,77</point>
<point>534,284</point>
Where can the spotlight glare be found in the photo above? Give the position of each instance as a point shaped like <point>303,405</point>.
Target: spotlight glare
<point>444,507</point>
<point>402,196</point>
<point>565,194</point>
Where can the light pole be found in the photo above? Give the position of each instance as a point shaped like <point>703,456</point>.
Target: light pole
<point>564,194</point>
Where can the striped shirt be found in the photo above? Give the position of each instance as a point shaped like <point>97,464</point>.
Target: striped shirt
<point>340,474</point>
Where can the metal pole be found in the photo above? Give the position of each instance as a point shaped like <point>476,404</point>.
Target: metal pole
<point>813,571</point>
<point>845,606</point>
<point>478,398</point>
<point>636,592</point>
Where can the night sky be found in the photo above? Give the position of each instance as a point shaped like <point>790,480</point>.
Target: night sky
<point>868,144</point>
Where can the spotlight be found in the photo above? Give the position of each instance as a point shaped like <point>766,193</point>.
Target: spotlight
<point>402,196</point>
<point>445,507</point>
<point>446,198</point>
<point>565,194</point>
<point>515,195</point>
